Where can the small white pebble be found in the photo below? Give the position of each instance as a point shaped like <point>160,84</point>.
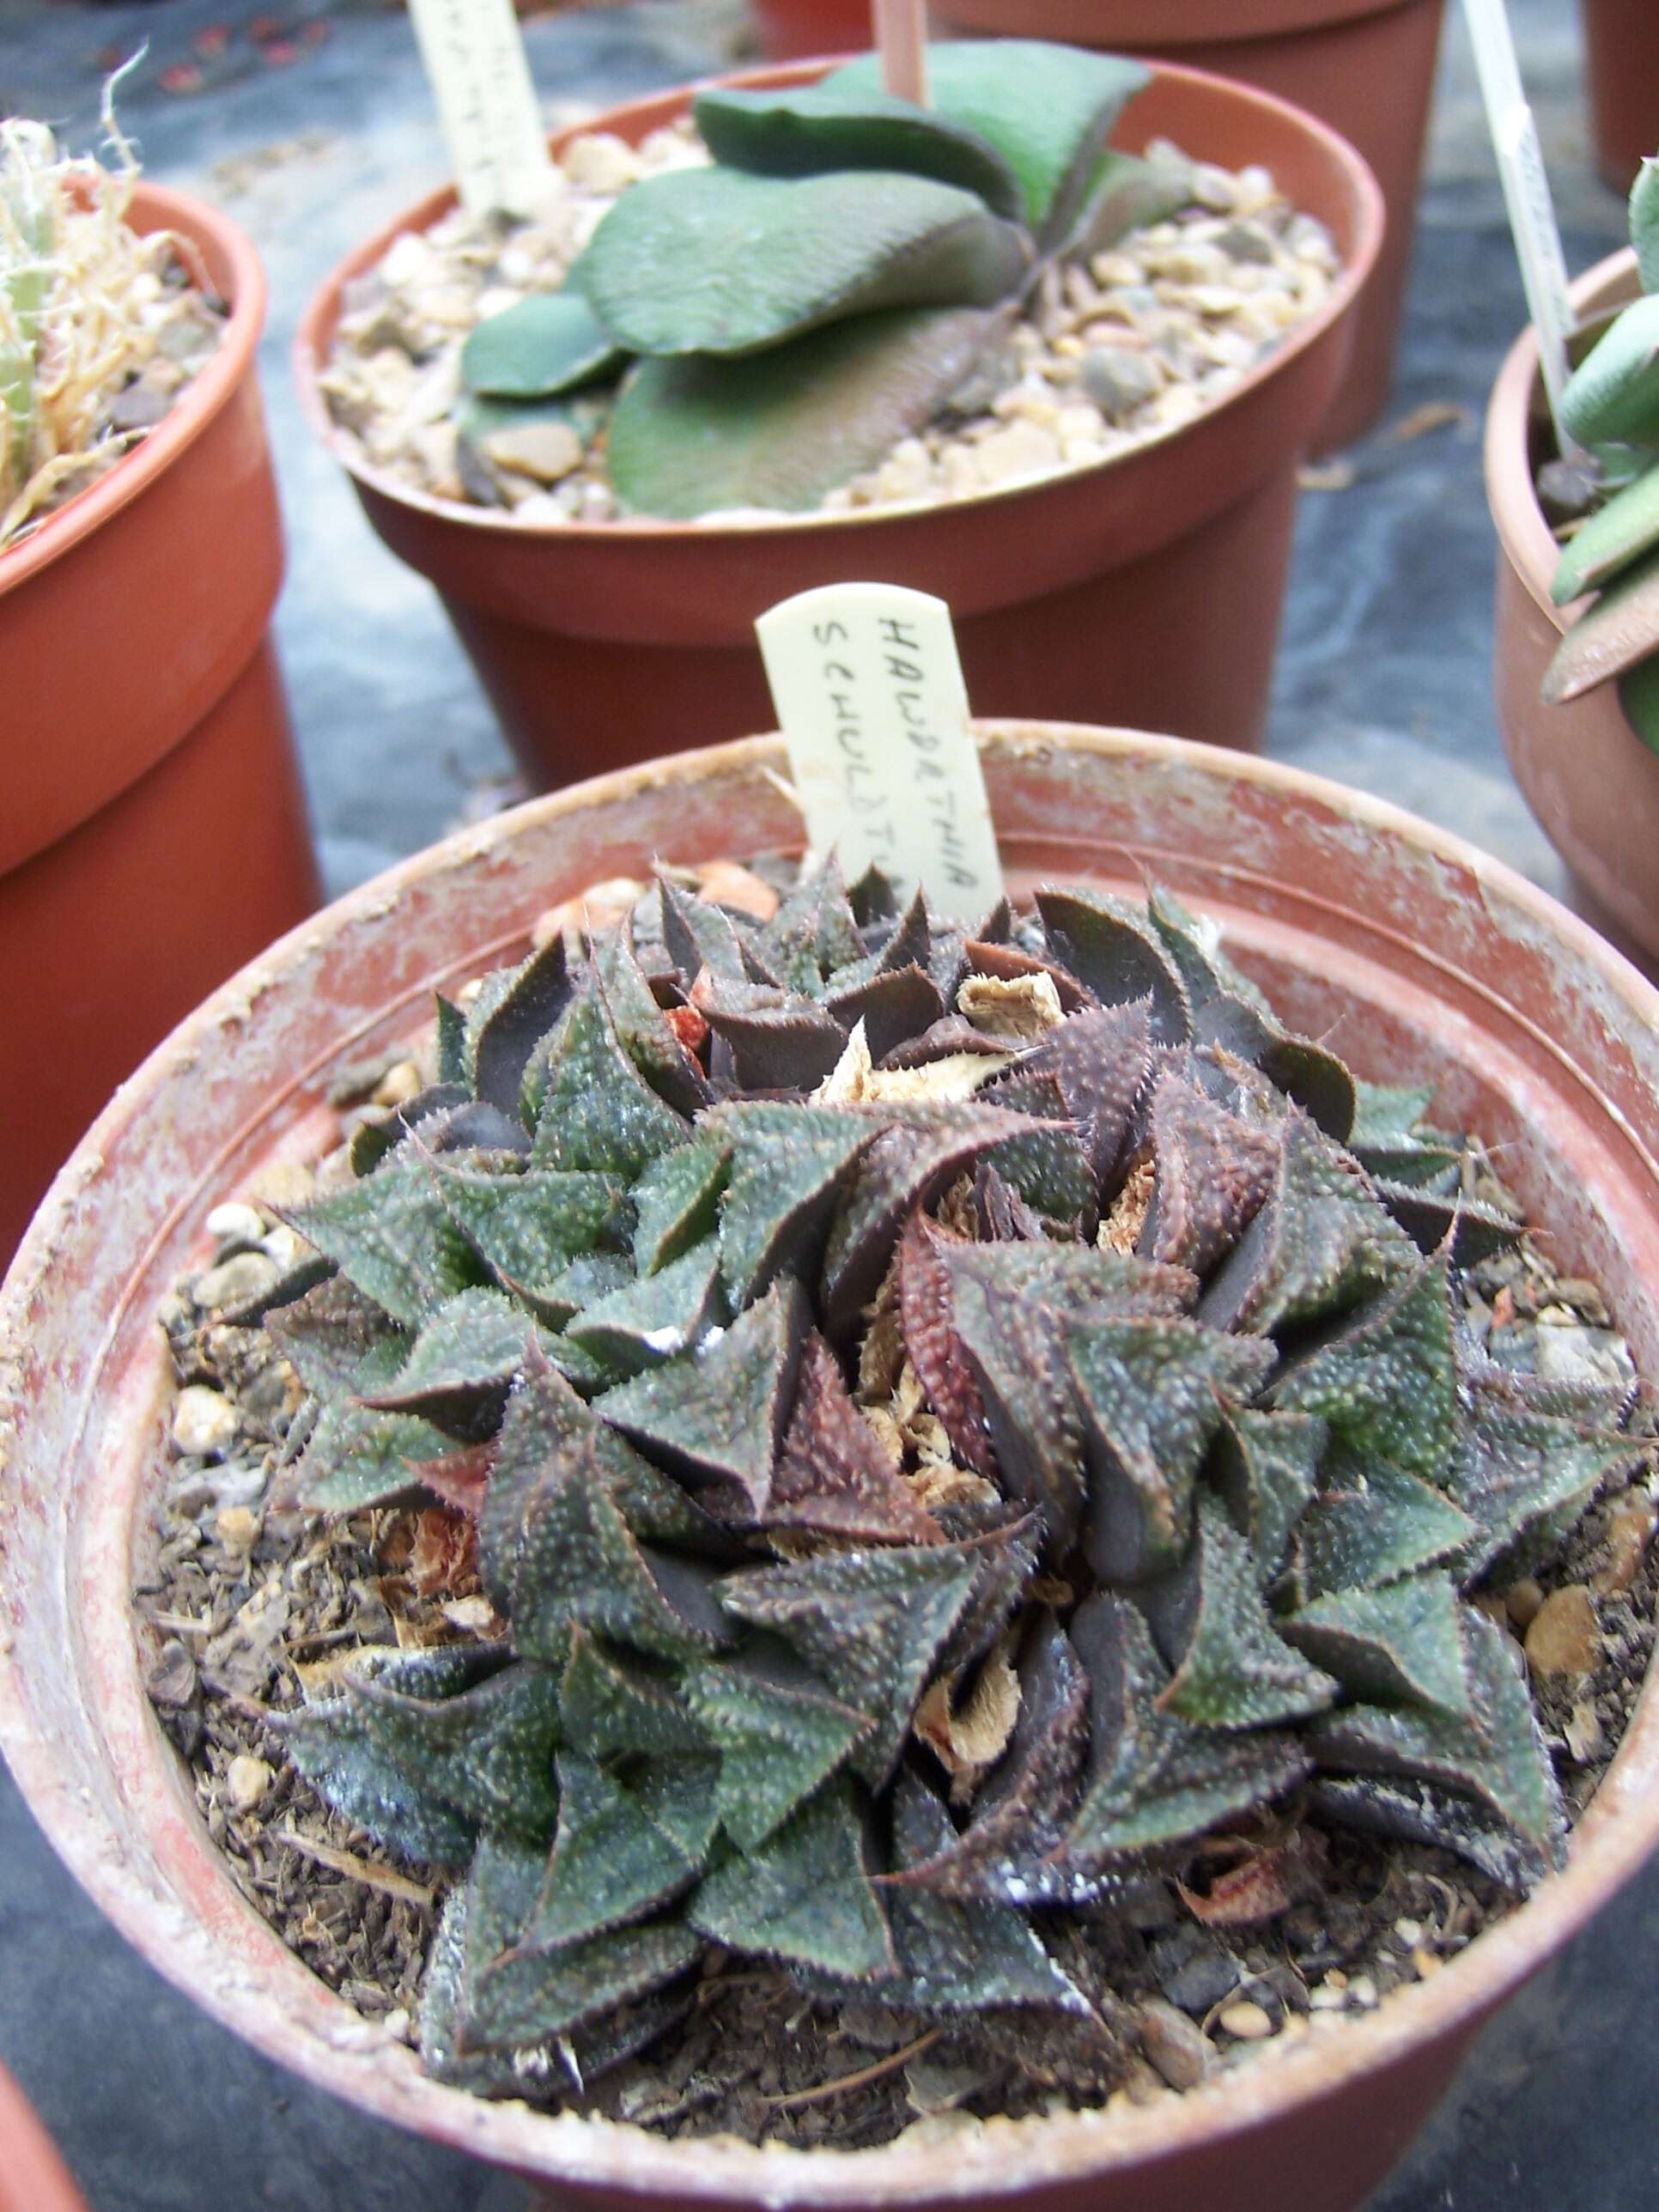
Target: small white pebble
<point>247,1780</point>
<point>236,1224</point>
<point>204,1422</point>
<point>1249,2022</point>
<point>1362,1992</point>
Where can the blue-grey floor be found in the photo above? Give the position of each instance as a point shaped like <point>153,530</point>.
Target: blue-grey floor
<point>1382,680</point>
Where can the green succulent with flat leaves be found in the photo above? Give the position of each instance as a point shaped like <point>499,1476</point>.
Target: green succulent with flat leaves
<point>847,263</point>
<point>810,1355</point>
<point>1611,405</point>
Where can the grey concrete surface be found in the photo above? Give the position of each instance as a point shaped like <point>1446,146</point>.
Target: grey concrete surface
<point>1382,681</point>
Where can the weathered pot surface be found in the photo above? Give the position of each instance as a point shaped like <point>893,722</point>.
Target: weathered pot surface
<point>1420,957</point>
<point>1590,780</point>
<point>1145,588</point>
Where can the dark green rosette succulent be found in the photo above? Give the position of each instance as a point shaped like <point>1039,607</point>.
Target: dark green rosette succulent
<point>848,263</point>
<point>949,1420</point>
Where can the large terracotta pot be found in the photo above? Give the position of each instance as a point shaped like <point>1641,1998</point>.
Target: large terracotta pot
<point>790,30</point>
<point>152,830</point>
<point>33,2178</point>
<point>1365,66</point>
<point>1427,960</point>
<point>1145,590</point>
<point>1590,780</point>
<point>1621,61</point>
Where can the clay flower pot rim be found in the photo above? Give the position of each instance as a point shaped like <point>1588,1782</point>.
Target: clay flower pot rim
<point>322,313</point>
<point>1175,23</point>
<point>1525,535</point>
<point>194,407</point>
<point>351,2058</point>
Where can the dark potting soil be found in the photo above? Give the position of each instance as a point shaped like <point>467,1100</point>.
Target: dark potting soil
<point>1252,1939</point>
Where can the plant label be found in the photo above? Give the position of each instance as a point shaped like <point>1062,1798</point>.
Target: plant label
<point>475,62</point>
<point>872,702</point>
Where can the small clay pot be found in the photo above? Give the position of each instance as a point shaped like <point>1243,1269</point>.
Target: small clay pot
<point>793,30</point>
<point>1590,780</point>
<point>1366,67</point>
<point>33,2178</point>
<point>153,831</point>
<point>1430,964</point>
<point>1621,63</point>
<point>1145,590</point>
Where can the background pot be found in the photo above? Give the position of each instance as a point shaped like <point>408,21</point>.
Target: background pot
<point>1590,780</point>
<point>1145,590</point>
<point>1423,958</point>
<point>1365,66</point>
<point>152,827</point>
<point>1621,59</point>
<point>33,2178</point>
<point>790,30</point>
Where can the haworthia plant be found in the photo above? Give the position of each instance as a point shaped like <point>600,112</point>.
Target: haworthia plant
<point>1611,405</point>
<point>810,1401</point>
<point>842,269</point>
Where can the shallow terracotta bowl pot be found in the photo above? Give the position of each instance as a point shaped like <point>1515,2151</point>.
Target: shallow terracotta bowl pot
<point>1416,955</point>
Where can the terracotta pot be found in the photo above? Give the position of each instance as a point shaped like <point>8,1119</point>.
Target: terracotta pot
<point>33,2178</point>
<point>1427,961</point>
<point>790,30</point>
<point>1621,61</point>
<point>1366,67</point>
<point>152,827</point>
<point>1590,780</point>
<point>1145,590</point>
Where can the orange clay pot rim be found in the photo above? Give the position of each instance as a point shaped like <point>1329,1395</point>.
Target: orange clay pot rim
<point>308,364</point>
<point>1265,19</point>
<point>1619,1830</point>
<point>1527,540</point>
<point>201,398</point>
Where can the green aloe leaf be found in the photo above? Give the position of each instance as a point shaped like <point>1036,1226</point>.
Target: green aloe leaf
<point>1400,1645</point>
<point>1387,1381</point>
<point>1373,1522</point>
<point>1524,1478</point>
<point>527,1227</point>
<point>1126,192</point>
<point>1638,695</point>
<point>527,1997</point>
<point>1612,636</point>
<point>779,429</point>
<point>798,130</point>
<point>332,1748</point>
<point>391,1237</point>
<point>487,1749</point>
<point>613,1701</point>
<point>1615,535</point>
<point>780,1736</point>
<point>789,1164</point>
<point>610,1862</point>
<point>547,344</point>
<point>833,1476</point>
<point>1612,396</point>
<point>804,1896</point>
<point>676,1202</point>
<point>355,1456</point>
<point>461,1366</point>
<point>1113,949</point>
<point>1047,109</point>
<point>596,1110</point>
<point>717,261</point>
<point>644,1322</point>
<point>1645,223</point>
<point>1266,1467</point>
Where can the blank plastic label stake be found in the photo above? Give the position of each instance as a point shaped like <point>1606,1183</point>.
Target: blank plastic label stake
<point>474,58</point>
<point>872,702</point>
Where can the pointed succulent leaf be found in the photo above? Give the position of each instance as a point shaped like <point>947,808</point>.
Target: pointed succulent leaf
<point>1321,1244</point>
<point>546,343</point>
<point>938,1354</point>
<point>1153,1394</point>
<point>676,1202</point>
<point>1613,635</point>
<point>390,1235</point>
<point>804,1897</point>
<point>1100,1058</point>
<point>1266,1467</point>
<point>780,1736</point>
<point>1113,949</point>
<point>451,1040</point>
<point>789,1165</point>
<point>1212,1172</point>
<point>1466,1230</point>
<point>780,428</point>
<point>801,130</point>
<point>1020,1811</point>
<point>528,1228</point>
<point>700,936</point>
<point>355,1456</point>
<point>1046,108</point>
<point>1524,1478</point>
<point>721,1411</point>
<point>488,1750</point>
<point>461,1366</point>
<point>1006,1556</point>
<point>779,1040</point>
<point>1494,1754</point>
<point>720,261</point>
<point>894,1004</point>
<point>1387,1379</point>
<point>1049,1166</point>
<point>1231,1669</point>
<point>649,1320</point>
<point>612,1701</point>
<point>1422,1813</point>
<point>1401,1644</point>
<point>832,1476</point>
<point>328,1332</point>
<point>643,1028</point>
<point>1315,1079</point>
<point>610,1862</point>
<point>1372,1522</point>
<point>597,1111</point>
<point>504,1042</point>
<point>957,1954</point>
<point>1153,1779</point>
<point>1612,396</point>
<point>1644,219</point>
<point>333,1749</point>
<point>814,931</point>
<point>527,1997</point>
<point>871,1624</point>
<point>680,1796</point>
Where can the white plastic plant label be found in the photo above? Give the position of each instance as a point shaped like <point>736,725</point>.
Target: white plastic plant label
<point>475,62</point>
<point>873,708</point>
